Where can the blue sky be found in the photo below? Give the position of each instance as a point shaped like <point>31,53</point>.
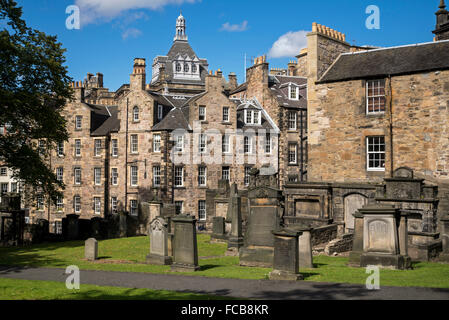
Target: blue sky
<point>113,32</point>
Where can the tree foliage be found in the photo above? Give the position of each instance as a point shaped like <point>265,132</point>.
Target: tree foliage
<point>34,87</point>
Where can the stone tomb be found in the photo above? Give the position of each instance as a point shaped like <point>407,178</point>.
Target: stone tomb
<point>185,248</point>
<point>159,243</point>
<point>286,256</point>
<point>385,237</point>
<point>91,249</point>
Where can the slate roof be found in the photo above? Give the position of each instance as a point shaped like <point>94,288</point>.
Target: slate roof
<point>409,59</point>
<point>103,120</point>
<point>279,86</point>
<point>175,119</point>
<point>240,88</point>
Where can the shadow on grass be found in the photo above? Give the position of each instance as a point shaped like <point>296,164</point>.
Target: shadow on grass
<point>308,274</point>
<point>207,267</point>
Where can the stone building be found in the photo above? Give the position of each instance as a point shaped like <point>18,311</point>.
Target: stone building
<point>377,122</point>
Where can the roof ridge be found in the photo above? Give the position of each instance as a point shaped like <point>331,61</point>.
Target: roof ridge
<point>396,47</point>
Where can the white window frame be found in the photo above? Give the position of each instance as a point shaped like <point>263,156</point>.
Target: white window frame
<point>226,116</point>
<point>156,176</point>
<point>368,97</point>
<point>157,143</point>
<point>247,145</point>
<point>181,211</point>
<point>77,176</point>
<point>179,177</point>
<point>78,122</point>
<point>268,144</point>
<point>114,147</point>
<point>134,143</point>
<point>60,203</point>
<point>202,212</point>
<point>3,171</point>
<point>97,205</point>
<point>226,144</point>
<point>246,179</point>
<point>292,121</point>
<point>250,117</point>
<point>77,204</point>
<point>40,206</point>
<point>134,176</point>
<point>179,147</point>
<point>114,204</point>
<point>60,149</point>
<point>97,176</point>
<point>368,153</point>
<point>202,176</point>
<point>97,147</point>
<point>60,174</point>
<point>290,162</point>
<point>134,206</point>
<point>226,171</point>
<point>77,147</point>
<point>3,189</point>
<point>202,143</point>
<point>136,114</point>
<point>202,114</point>
<point>14,187</point>
<point>114,176</point>
<point>290,91</point>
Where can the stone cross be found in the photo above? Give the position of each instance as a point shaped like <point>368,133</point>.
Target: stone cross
<point>91,249</point>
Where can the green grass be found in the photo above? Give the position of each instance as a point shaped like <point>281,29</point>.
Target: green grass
<point>129,254</point>
<point>14,289</point>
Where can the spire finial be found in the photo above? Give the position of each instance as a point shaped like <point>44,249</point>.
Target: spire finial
<point>442,4</point>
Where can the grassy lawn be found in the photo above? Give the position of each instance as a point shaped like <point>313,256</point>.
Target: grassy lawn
<point>14,289</point>
<point>129,255</point>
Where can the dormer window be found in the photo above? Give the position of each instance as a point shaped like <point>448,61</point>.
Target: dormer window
<point>186,67</point>
<point>293,92</point>
<point>178,67</point>
<point>194,69</point>
<point>252,117</point>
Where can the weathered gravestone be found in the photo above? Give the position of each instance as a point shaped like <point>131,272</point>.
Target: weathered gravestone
<point>91,249</point>
<point>286,256</point>
<point>357,245</point>
<point>218,229</point>
<point>185,248</point>
<point>444,256</point>
<point>235,241</point>
<point>71,222</point>
<point>158,243</point>
<point>385,237</point>
<point>265,213</point>
<point>305,248</point>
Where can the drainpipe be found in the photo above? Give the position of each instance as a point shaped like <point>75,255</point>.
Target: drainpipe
<point>126,156</point>
<point>391,126</point>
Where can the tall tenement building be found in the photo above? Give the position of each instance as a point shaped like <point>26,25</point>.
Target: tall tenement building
<point>180,137</point>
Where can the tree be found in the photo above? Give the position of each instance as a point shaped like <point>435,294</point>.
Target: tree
<point>34,87</point>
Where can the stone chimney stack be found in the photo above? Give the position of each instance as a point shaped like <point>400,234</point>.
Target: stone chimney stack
<point>442,27</point>
<point>138,77</point>
<point>233,84</point>
<point>100,79</point>
<point>292,68</point>
<point>78,89</point>
<point>214,81</point>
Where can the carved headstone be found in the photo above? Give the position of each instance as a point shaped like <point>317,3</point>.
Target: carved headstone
<point>91,249</point>
<point>286,256</point>
<point>185,248</point>
<point>158,243</point>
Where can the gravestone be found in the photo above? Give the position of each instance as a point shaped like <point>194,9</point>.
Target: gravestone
<point>185,248</point>
<point>218,229</point>
<point>385,237</point>
<point>444,256</point>
<point>235,241</point>
<point>123,224</point>
<point>158,243</point>
<point>286,256</point>
<point>357,245</point>
<point>305,248</point>
<point>91,249</point>
<point>266,210</point>
<point>72,227</point>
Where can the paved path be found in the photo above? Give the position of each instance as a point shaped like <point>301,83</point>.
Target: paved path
<point>252,289</point>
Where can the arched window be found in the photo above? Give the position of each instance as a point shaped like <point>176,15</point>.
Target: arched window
<point>186,67</point>
<point>178,67</point>
<point>194,68</point>
<point>136,114</point>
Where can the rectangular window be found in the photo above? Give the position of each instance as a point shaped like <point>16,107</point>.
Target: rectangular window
<point>134,176</point>
<point>133,207</point>
<point>58,227</point>
<point>40,202</point>
<point>4,188</point>
<point>247,145</point>
<point>179,207</point>
<point>3,171</point>
<point>114,176</point>
<point>292,116</point>
<point>256,116</point>
<point>157,143</point>
<point>77,148</point>
<point>247,176</point>
<point>160,112</point>
<point>77,174</point>
<point>156,176</point>
<point>268,143</point>
<point>225,173</point>
<point>375,153</point>
<point>202,176</point>
<point>60,174</point>
<point>14,188</point>
<point>179,144</point>
<point>78,122</point>
<point>293,92</point>
<point>375,96</point>
<point>179,176</point>
<point>225,114</point>
<point>252,117</point>
<point>114,204</point>
<point>202,143</point>
<point>225,144</point>
<point>77,204</point>
<point>114,147</point>
<point>97,147</point>
<point>41,147</point>
<point>60,203</point>
<point>60,149</point>
<point>97,176</point>
<point>292,154</point>
<point>202,210</point>
<point>134,143</point>
<point>97,205</point>
<point>202,113</point>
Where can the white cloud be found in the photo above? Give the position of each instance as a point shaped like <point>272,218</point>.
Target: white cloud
<point>96,10</point>
<point>131,33</point>
<point>235,27</point>
<point>289,44</point>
